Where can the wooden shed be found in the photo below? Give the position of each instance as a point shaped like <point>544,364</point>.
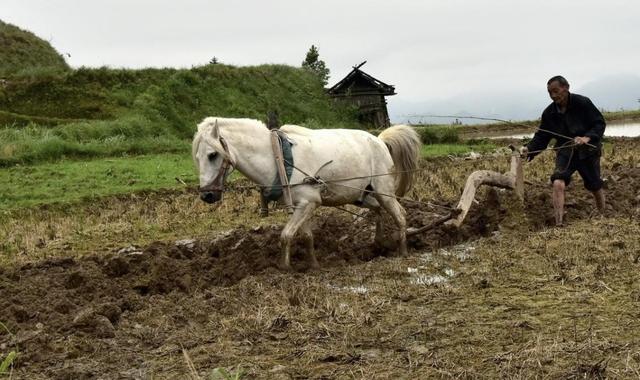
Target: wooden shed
<point>367,93</point>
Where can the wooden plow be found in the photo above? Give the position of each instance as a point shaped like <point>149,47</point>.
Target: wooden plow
<point>513,179</point>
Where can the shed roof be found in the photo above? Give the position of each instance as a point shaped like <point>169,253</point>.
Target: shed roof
<point>357,82</point>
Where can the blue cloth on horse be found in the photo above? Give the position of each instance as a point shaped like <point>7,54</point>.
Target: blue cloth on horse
<point>274,192</point>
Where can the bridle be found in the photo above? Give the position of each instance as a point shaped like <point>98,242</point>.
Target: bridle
<point>217,185</point>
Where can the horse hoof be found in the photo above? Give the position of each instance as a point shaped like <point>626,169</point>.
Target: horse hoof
<point>285,267</point>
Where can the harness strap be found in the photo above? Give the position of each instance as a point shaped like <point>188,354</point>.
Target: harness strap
<point>276,145</point>
<point>218,182</point>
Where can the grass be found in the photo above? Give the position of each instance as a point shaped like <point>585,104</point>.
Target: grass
<point>7,361</point>
<point>53,207</point>
<point>176,97</point>
<point>438,134</point>
<point>21,50</point>
<point>75,181</point>
<point>88,139</point>
<point>50,112</point>
<point>622,115</point>
<point>109,223</point>
<point>70,181</point>
<point>223,374</point>
<point>105,112</point>
<point>439,150</point>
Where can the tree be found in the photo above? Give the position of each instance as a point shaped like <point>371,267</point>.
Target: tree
<point>317,66</point>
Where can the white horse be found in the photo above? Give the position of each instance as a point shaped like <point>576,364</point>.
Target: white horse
<point>351,165</point>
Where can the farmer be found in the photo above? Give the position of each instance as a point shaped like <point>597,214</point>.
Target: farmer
<point>578,127</point>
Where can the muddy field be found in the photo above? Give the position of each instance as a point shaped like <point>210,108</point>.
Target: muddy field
<point>504,296</point>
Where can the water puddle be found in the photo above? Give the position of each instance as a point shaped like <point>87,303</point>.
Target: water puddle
<point>612,130</point>
<point>461,252</point>
<point>418,275</point>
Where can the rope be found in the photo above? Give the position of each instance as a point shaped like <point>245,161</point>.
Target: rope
<point>396,197</point>
<point>563,146</point>
<point>336,182</point>
<point>410,231</point>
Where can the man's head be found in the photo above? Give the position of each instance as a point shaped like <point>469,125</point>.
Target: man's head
<point>558,89</point>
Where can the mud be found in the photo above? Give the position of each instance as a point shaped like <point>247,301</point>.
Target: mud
<point>118,315</point>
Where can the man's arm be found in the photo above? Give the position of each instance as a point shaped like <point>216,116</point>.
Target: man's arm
<point>595,123</point>
<point>540,139</point>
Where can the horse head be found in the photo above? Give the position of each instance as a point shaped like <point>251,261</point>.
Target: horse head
<point>212,159</point>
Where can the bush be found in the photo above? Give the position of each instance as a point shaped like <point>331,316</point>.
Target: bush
<point>438,135</point>
<point>87,139</point>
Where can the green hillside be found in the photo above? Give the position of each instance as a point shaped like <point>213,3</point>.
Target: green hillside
<point>100,112</point>
<point>105,112</point>
<point>22,51</point>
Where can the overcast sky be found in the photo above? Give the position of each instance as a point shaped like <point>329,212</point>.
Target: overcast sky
<point>487,57</point>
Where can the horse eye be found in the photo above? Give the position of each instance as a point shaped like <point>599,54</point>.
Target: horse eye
<point>211,156</point>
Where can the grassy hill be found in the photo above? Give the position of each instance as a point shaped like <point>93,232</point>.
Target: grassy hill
<point>100,112</point>
<point>21,51</point>
<point>106,94</point>
<point>105,112</point>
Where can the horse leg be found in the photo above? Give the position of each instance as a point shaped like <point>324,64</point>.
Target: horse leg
<point>303,212</point>
<point>379,238</point>
<point>307,235</point>
<point>397,212</point>
<point>373,205</point>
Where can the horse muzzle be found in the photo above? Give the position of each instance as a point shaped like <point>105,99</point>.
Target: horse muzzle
<point>211,196</point>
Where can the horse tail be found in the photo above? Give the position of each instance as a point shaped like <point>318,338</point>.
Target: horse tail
<point>404,145</point>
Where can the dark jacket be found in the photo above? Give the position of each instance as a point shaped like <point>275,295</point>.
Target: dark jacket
<point>582,118</point>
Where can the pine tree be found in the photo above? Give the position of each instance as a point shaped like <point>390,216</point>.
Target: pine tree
<point>317,66</point>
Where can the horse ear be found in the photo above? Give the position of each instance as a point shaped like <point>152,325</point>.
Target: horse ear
<point>215,133</point>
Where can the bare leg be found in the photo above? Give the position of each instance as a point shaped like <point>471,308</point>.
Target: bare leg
<point>558,200</point>
<point>308,239</point>
<point>302,213</point>
<point>397,212</point>
<point>600,203</point>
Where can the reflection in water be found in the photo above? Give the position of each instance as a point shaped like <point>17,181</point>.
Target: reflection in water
<point>613,130</point>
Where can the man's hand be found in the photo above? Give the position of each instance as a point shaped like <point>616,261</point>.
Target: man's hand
<point>581,140</point>
<point>524,152</point>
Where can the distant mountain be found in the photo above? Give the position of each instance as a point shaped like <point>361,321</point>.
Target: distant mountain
<point>609,93</point>
<point>523,105</point>
<point>614,92</point>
